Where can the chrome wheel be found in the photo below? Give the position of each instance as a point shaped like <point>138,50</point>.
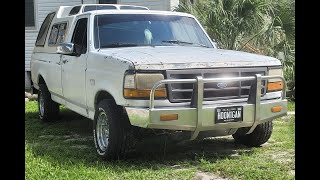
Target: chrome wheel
<point>41,104</point>
<point>102,129</point>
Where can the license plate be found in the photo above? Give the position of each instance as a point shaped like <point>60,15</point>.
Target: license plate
<point>229,114</point>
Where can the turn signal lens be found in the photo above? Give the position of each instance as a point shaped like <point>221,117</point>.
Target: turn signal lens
<point>275,86</point>
<point>168,117</point>
<point>276,109</point>
<point>138,93</point>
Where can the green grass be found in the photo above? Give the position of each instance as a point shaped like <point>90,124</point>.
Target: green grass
<point>291,105</point>
<point>65,150</point>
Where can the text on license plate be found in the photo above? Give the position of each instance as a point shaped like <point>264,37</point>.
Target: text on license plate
<point>228,114</point>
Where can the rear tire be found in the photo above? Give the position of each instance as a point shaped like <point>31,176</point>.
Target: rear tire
<point>259,136</point>
<point>48,109</point>
<point>112,131</point>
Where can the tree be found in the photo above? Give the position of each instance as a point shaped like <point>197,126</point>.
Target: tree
<point>229,21</point>
<point>260,26</point>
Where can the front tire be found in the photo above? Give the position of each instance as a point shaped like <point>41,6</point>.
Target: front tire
<point>112,131</point>
<point>259,136</point>
<point>48,109</point>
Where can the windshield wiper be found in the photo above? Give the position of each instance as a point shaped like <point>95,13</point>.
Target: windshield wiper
<point>175,41</point>
<point>119,44</point>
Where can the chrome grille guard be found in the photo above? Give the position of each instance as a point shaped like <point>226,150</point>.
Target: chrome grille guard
<point>197,95</point>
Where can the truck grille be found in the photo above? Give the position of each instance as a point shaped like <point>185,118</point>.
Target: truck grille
<point>212,91</point>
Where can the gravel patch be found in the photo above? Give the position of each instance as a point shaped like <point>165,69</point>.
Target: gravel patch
<point>207,176</point>
<point>78,139</point>
<point>292,172</point>
<point>282,157</point>
<point>49,137</point>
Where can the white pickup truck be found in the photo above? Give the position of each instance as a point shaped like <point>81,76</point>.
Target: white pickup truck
<point>128,68</point>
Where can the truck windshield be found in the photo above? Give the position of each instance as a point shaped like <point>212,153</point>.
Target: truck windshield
<point>128,30</point>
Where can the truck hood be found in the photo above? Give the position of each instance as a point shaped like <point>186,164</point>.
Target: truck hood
<point>185,57</point>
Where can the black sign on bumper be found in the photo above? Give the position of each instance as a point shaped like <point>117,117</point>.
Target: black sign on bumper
<point>229,114</point>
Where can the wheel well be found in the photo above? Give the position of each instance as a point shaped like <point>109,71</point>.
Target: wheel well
<point>102,95</point>
<point>41,80</point>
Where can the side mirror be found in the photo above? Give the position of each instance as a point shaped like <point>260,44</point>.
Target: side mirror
<point>66,49</point>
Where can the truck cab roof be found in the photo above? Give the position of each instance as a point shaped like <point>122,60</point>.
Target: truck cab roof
<point>71,11</point>
<point>64,11</point>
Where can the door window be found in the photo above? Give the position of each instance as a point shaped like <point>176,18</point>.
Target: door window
<point>79,37</point>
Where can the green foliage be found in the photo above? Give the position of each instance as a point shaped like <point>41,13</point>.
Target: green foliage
<point>259,26</point>
<point>291,105</point>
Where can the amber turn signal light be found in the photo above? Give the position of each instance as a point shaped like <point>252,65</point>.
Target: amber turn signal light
<point>275,86</point>
<point>168,117</point>
<point>276,109</point>
<point>138,93</point>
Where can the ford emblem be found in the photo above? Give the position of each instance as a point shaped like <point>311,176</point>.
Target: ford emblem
<point>222,85</point>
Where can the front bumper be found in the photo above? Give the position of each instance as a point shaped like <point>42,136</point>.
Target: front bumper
<point>198,117</point>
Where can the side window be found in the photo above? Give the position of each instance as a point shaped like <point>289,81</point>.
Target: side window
<point>74,10</point>
<point>29,14</point>
<point>79,37</point>
<point>61,33</point>
<point>57,34</point>
<point>107,1</point>
<point>42,35</point>
<point>53,35</point>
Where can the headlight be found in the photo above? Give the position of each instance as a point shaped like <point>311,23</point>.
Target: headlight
<point>275,84</point>
<point>139,85</point>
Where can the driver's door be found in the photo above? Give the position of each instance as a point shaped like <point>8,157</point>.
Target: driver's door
<point>73,69</point>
